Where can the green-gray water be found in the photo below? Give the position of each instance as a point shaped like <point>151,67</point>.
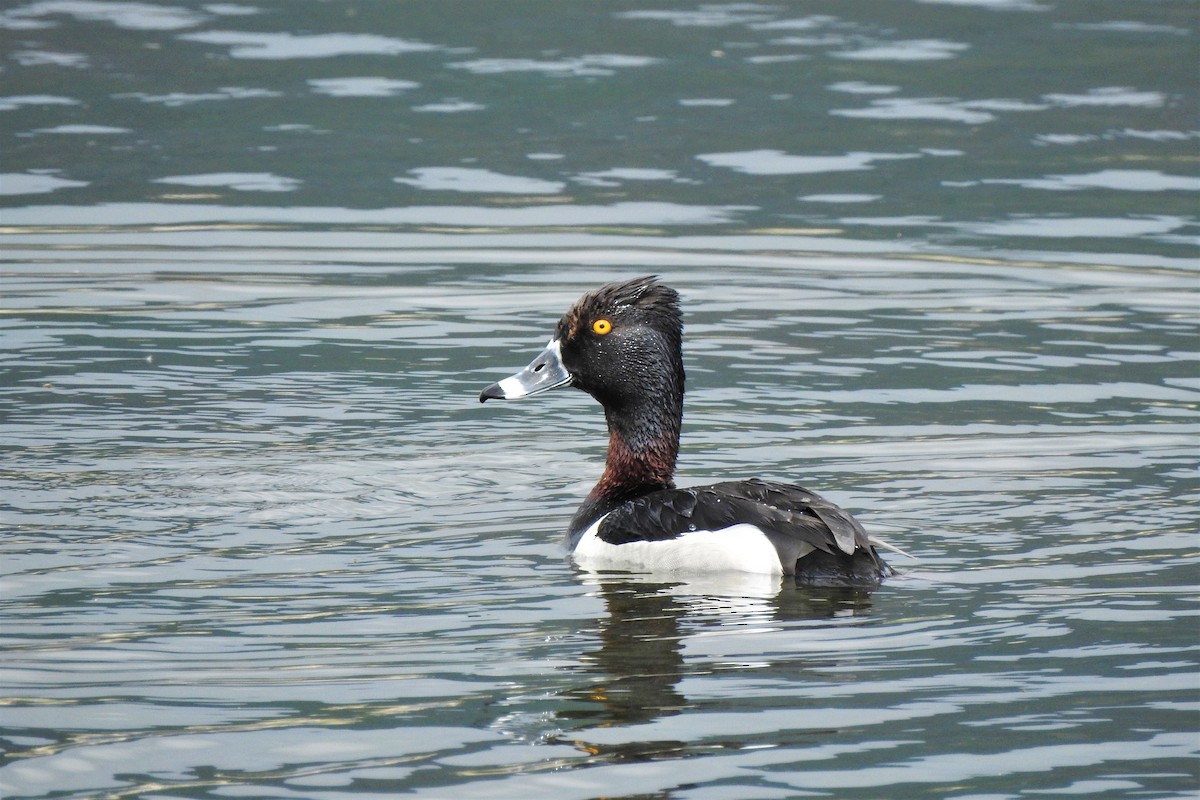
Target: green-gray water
<point>938,261</point>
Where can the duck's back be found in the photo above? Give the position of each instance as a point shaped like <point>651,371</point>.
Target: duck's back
<point>751,525</point>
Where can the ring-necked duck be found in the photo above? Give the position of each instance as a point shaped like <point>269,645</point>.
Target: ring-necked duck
<point>622,344</point>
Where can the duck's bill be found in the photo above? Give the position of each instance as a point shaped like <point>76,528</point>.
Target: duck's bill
<point>544,373</point>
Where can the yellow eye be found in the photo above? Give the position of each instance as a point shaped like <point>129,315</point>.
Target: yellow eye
<point>601,326</point>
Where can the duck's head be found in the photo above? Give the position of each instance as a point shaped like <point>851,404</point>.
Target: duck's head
<point>621,344</point>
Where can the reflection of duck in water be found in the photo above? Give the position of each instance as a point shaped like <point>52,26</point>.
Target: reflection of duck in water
<point>622,345</point>
<point>641,652</point>
<point>640,657</point>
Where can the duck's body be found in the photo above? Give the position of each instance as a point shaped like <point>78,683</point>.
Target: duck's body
<point>623,345</point>
<point>747,526</point>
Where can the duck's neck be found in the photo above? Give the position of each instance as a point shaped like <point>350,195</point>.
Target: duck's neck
<point>643,444</point>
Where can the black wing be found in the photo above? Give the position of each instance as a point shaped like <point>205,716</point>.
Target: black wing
<point>792,518</point>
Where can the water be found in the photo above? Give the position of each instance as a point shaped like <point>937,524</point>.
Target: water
<point>938,261</point>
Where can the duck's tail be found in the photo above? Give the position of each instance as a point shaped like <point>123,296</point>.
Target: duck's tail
<point>877,542</point>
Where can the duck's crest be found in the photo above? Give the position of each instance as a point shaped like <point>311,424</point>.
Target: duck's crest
<point>644,294</point>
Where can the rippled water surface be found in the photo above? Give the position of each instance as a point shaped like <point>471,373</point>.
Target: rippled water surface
<point>938,261</point>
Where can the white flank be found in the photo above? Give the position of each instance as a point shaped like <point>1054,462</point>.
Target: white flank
<point>738,548</point>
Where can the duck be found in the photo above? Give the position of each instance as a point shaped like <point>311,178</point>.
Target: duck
<point>623,345</point>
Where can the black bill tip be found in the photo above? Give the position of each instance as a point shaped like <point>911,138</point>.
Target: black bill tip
<point>493,392</point>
